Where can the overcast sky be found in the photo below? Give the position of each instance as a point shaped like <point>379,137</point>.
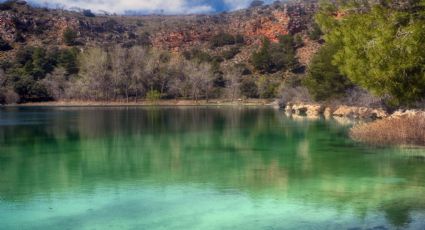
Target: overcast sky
<point>150,6</point>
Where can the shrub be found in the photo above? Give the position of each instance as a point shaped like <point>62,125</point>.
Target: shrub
<point>144,39</point>
<point>266,87</point>
<point>249,88</point>
<point>223,39</point>
<point>231,53</point>
<point>292,90</point>
<point>88,13</point>
<point>395,131</point>
<point>69,36</point>
<point>198,55</point>
<point>153,95</point>
<point>4,46</point>
<point>314,32</point>
<point>274,57</point>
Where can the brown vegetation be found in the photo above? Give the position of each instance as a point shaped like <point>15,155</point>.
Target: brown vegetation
<point>409,130</point>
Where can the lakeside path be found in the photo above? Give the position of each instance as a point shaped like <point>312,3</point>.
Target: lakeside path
<point>73,103</point>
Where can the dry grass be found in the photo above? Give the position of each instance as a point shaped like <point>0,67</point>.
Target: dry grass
<point>407,130</point>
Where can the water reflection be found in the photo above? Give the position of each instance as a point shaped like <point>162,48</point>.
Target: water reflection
<point>261,152</point>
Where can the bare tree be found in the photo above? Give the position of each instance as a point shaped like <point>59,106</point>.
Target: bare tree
<point>2,78</point>
<point>56,83</point>
<point>95,81</point>
<point>137,59</point>
<point>179,82</point>
<point>200,79</point>
<point>121,67</point>
<point>232,77</point>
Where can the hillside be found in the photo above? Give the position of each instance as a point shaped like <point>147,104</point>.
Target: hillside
<point>22,25</point>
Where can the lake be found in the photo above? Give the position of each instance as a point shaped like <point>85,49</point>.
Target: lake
<point>199,168</point>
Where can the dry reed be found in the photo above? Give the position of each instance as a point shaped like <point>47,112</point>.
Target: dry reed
<point>406,130</point>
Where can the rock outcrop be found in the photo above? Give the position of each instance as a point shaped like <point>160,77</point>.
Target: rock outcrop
<point>359,112</point>
<point>315,110</point>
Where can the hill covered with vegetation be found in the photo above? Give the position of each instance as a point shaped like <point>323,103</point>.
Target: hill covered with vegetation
<point>368,53</point>
<point>53,54</point>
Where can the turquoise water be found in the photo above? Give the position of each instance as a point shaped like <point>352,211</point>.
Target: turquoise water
<point>199,168</point>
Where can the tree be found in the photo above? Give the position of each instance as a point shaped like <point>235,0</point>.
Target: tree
<point>232,77</point>
<point>137,59</point>
<point>120,71</point>
<point>68,60</point>
<point>56,83</point>
<point>381,48</point>
<point>248,88</point>
<point>275,57</point>
<point>200,79</point>
<point>95,79</point>
<point>324,81</point>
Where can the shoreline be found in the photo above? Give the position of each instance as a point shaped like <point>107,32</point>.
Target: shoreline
<point>171,102</point>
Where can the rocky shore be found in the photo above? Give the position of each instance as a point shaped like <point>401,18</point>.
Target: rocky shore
<point>354,112</point>
<point>371,125</point>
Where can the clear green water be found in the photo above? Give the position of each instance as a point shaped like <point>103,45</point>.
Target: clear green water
<point>199,168</point>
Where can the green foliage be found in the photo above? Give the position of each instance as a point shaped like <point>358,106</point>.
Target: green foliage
<point>4,46</point>
<point>314,32</point>
<point>381,50</point>
<point>266,87</point>
<point>32,64</point>
<point>30,90</point>
<point>324,80</point>
<point>69,36</point>
<point>223,39</point>
<point>153,95</point>
<point>35,62</point>
<point>68,60</point>
<point>275,57</point>
<point>298,40</point>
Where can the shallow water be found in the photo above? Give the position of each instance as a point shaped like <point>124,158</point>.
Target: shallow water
<point>199,168</point>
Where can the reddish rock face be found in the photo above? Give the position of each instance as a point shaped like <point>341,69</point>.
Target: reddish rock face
<point>253,24</point>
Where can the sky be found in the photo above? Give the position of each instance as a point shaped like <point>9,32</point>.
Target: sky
<point>149,6</point>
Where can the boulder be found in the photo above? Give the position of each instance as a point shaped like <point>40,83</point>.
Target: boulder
<point>311,110</point>
<point>328,112</point>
